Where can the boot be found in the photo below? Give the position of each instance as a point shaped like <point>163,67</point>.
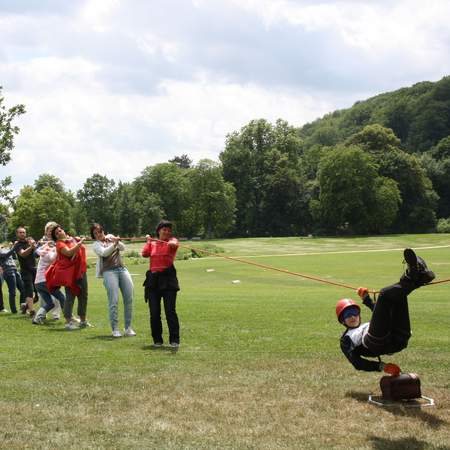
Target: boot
<point>417,270</point>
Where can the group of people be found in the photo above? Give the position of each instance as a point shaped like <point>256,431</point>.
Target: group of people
<point>58,260</point>
<point>62,263</point>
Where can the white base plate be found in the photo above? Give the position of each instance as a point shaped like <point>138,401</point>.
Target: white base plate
<point>413,403</point>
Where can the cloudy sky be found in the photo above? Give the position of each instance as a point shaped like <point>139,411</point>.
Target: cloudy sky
<point>112,86</point>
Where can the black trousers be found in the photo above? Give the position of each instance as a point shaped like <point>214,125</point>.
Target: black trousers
<point>154,304</point>
<point>390,328</point>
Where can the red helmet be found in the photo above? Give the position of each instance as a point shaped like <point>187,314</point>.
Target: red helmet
<point>343,304</point>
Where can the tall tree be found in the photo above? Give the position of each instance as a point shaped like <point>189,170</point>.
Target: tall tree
<point>352,194</point>
<point>126,211</point>
<point>170,187</point>
<point>419,200</point>
<point>255,160</point>
<point>183,161</point>
<point>7,133</point>
<point>214,199</point>
<point>97,199</point>
<point>33,209</point>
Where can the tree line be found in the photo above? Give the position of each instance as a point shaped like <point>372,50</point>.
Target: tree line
<point>382,166</point>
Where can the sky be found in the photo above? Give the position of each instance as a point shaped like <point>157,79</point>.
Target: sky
<point>114,86</point>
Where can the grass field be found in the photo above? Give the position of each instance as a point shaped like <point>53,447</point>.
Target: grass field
<point>259,365</point>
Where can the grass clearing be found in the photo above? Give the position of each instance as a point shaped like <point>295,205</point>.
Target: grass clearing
<point>259,365</point>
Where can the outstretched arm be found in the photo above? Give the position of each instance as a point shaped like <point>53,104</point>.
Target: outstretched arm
<point>354,356</point>
<point>363,293</point>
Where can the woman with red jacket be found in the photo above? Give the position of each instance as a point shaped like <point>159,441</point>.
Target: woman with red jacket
<point>161,282</point>
<point>69,270</point>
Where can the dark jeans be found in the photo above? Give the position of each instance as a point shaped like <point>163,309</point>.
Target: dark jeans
<point>154,304</point>
<point>47,297</point>
<point>14,281</point>
<point>390,328</point>
<point>82,299</point>
<point>28,277</point>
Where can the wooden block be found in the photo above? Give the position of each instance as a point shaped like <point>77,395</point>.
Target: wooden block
<point>404,387</point>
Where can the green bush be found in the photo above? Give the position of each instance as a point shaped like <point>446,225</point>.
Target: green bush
<point>443,226</point>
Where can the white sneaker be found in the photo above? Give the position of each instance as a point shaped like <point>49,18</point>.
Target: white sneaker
<point>116,334</point>
<point>38,320</point>
<point>71,326</point>
<point>85,324</point>
<point>4,310</point>
<point>129,332</point>
<point>174,344</point>
<point>75,319</point>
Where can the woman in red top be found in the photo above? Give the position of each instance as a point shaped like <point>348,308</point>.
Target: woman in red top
<point>161,282</point>
<point>69,270</point>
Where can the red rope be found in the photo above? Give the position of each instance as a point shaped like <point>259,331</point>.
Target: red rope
<point>264,266</point>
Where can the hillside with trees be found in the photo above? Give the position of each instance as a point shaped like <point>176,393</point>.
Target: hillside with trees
<point>381,166</point>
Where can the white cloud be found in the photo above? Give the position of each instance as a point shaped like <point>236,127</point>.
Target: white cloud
<point>111,88</point>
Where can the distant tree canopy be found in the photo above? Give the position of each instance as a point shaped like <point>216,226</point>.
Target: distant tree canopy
<point>7,133</point>
<point>381,166</point>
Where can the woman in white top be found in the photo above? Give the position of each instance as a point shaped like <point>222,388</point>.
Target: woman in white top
<point>47,255</point>
<point>115,276</point>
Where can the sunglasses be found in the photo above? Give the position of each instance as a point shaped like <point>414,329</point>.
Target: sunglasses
<point>350,312</point>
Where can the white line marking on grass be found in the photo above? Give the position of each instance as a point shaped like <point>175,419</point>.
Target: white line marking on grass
<point>326,253</point>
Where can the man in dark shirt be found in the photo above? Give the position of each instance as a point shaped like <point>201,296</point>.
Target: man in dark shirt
<point>24,247</point>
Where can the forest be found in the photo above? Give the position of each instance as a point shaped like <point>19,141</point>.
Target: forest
<point>381,166</point>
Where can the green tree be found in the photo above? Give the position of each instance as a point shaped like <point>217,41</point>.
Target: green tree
<point>126,211</point>
<point>33,209</point>
<point>352,194</point>
<point>437,166</point>
<point>97,200</point>
<point>214,199</point>
<point>419,200</point>
<point>7,133</point>
<point>171,194</point>
<point>255,160</point>
<point>49,181</point>
<point>183,161</point>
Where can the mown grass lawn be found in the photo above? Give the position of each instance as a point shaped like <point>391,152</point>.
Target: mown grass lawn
<point>259,366</point>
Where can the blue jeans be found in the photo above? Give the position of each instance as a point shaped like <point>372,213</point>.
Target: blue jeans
<point>45,294</point>
<point>14,281</point>
<point>113,280</point>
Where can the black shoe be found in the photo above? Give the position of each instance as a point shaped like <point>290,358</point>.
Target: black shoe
<point>411,261</point>
<point>417,270</point>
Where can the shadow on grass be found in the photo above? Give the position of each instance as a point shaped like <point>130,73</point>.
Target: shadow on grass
<point>409,443</point>
<point>103,337</point>
<point>400,410</point>
<point>164,348</point>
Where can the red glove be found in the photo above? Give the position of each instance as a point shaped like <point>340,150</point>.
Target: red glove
<point>392,369</point>
<point>362,291</point>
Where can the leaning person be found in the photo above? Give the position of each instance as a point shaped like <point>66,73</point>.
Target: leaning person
<point>12,278</point>
<point>389,329</point>
<point>115,276</point>
<point>69,270</point>
<point>47,256</point>
<point>161,283</point>
<point>47,237</point>
<point>24,248</point>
